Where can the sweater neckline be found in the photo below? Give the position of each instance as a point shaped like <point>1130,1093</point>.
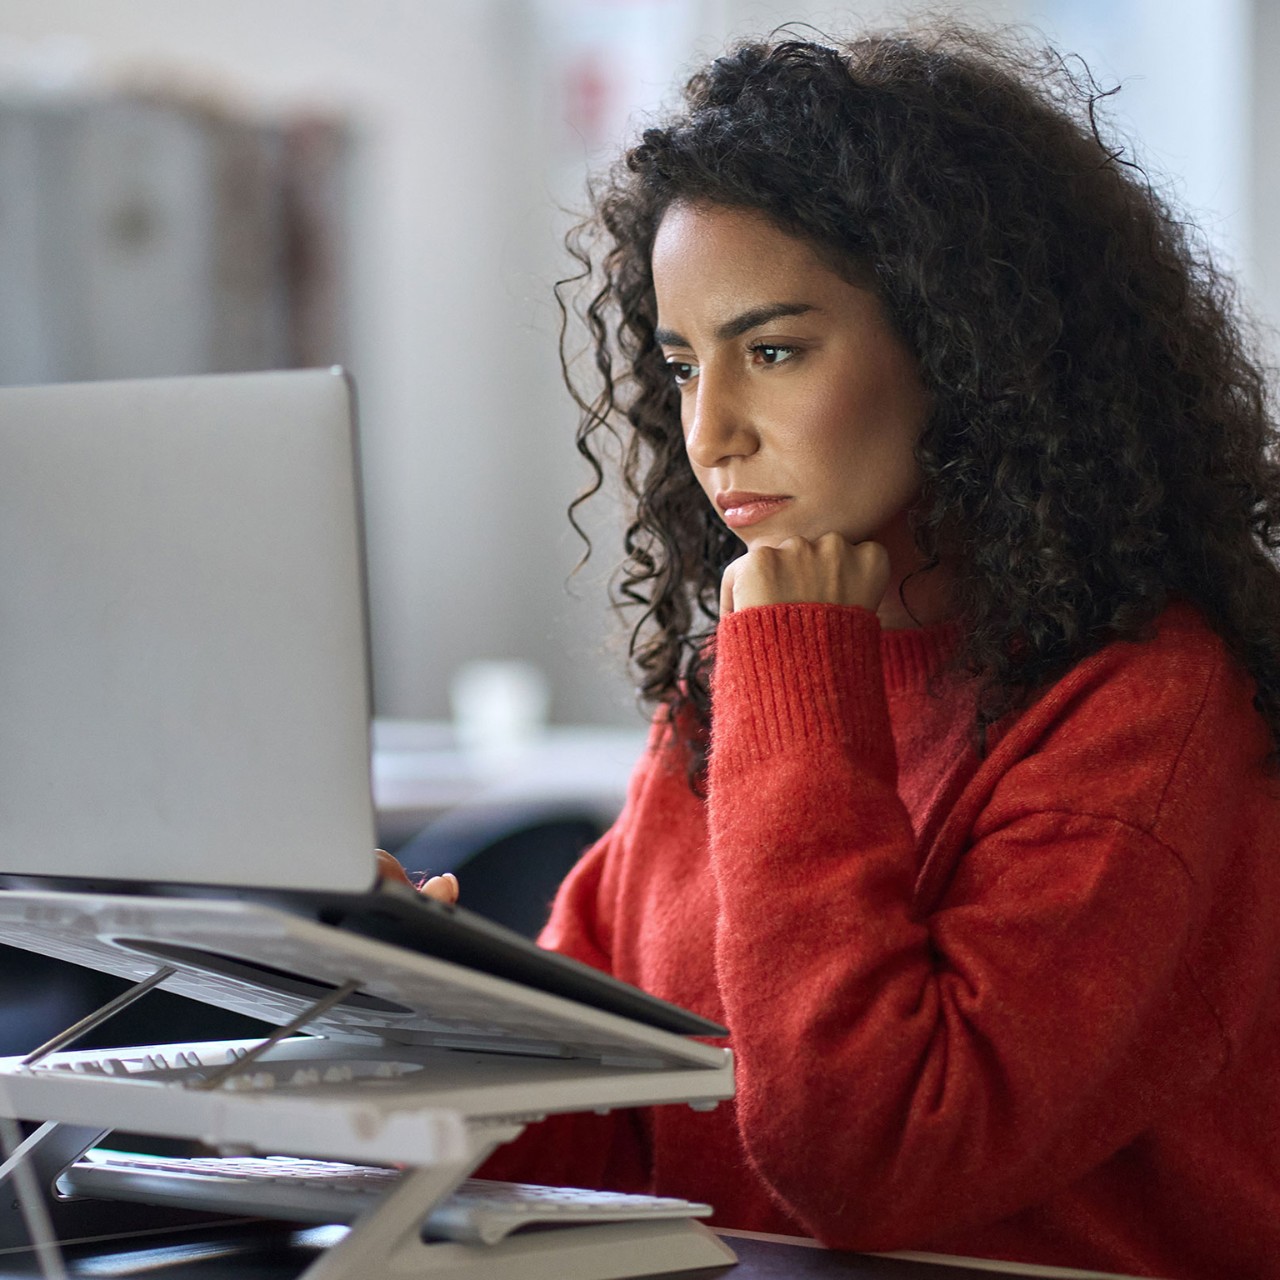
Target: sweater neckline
<point>910,656</point>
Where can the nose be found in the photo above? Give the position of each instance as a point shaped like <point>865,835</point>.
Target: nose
<point>716,423</point>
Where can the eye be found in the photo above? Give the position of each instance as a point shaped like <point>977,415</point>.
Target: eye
<point>682,372</point>
<point>768,353</point>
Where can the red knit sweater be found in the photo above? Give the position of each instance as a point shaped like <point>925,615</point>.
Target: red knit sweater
<point>1026,1007</point>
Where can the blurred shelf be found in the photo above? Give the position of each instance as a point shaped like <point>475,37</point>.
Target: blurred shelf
<point>420,771</point>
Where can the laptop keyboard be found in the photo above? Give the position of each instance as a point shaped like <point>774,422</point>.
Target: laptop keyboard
<point>323,1191</point>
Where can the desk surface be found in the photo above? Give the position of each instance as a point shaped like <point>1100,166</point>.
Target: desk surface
<point>264,1251</point>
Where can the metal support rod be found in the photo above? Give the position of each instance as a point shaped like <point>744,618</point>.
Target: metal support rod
<point>99,1016</point>
<point>323,1005</point>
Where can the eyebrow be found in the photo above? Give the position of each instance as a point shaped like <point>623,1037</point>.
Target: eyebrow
<point>740,324</point>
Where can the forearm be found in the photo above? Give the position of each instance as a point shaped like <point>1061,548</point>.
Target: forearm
<point>900,1074</point>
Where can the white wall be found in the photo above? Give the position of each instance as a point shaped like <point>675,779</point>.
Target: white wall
<point>1263,257</point>
<point>467,433</point>
<point>459,422</point>
<point>1184,100</point>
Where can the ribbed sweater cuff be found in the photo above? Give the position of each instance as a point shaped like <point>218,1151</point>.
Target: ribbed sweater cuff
<point>790,675</point>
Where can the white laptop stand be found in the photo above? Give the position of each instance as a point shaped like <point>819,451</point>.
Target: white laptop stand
<point>409,1060</point>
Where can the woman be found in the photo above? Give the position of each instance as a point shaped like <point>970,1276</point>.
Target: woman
<point>955,492</point>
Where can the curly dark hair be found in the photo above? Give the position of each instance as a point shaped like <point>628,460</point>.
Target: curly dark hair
<point>1101,438</point>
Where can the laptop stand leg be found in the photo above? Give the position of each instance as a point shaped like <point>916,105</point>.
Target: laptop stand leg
<point>336,996</point>
<point>51,1148</point>
<point>384,1241</point>
<point>33,1165</point>
<point>31,1204</point>
<point>603,1251</point>
<point>98,1016</point>
<point>387,1240</point>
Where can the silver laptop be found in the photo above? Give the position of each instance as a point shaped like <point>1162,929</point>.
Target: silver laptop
<point>183,670</point>
<point>184,663</point>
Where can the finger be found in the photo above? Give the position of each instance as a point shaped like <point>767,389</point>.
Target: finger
<point>826,570</point>
<point>873,572</point>
<point>442,888</point>
<point>389,868</point>
<point>726,588</point>
<point>756,575</point>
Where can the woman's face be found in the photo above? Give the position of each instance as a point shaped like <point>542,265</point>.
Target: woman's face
<point>801,407</point>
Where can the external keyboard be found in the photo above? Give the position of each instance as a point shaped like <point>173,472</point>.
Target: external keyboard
<point>322,1191</point>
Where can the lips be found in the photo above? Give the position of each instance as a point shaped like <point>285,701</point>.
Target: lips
<point>741,509</point>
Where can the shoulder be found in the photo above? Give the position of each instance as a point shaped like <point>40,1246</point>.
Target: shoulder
<point>1119,734</point>
<point>1181,673</point>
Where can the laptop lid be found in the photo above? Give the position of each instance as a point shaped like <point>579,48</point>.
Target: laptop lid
<point>183,655</point>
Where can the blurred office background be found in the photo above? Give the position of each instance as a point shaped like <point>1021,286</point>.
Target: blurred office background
<point>231,184</point>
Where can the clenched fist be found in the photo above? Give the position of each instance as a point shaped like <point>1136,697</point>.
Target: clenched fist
<point>826,570</point>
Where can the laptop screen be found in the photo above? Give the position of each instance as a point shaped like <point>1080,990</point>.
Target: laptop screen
<point>184,691</point>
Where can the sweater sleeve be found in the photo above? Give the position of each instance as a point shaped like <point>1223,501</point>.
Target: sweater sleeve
<point>903,1076</point>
